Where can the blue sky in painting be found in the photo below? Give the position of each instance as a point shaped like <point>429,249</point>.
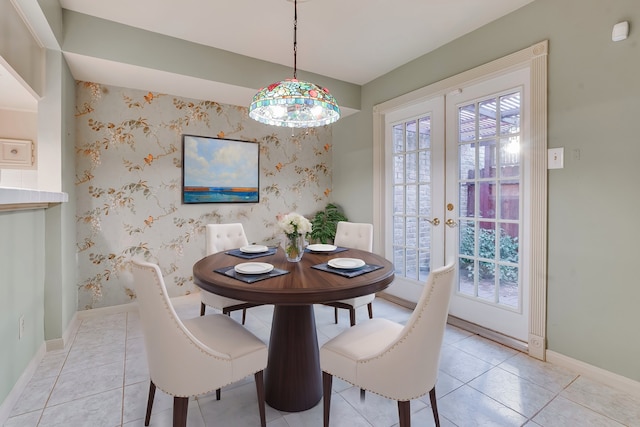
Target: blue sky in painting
<point>211,162</point>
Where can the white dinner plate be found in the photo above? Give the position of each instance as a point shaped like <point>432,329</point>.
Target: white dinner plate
<point>346,263</point>
<point>320,247</point>
<point>254,249</point>
<point>253,268</point>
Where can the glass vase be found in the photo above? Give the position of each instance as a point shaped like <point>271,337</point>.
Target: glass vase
<point>294,245</point>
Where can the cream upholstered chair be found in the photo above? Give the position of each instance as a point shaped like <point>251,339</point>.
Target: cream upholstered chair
<point>222,237</point>
<point>394,361</point>
<point>194,356</point>
<point>354,235</point>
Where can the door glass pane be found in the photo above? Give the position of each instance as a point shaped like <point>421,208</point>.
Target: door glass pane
<point>487,118</point>
<point>424,196</point>
<point>424,166</point>
<point>411,260</point>
<point>411,135</point>
<point>398,169</point>
<point>510,113</point>
<point>487,200</point>
<point>510,157</point>
<point>467,123</point>
<point>411,168</point>
<point>466,275</point>
<point>467,200</point>
<point>423,259</point>
<point>398,231</point>
<point>425,133</point>
<point>411,232</point>
<point>509,291</point>
<point>487,159</point>
<point>467,161</point>
<point>398,261</point>
<point>467,238</point>
<point>487,280</point>
<point>487,240</point>
<point>509,200</point>
<point>509,242</point>
<point>398,138</point>
<point>398,199</point>
<point>412,199</point>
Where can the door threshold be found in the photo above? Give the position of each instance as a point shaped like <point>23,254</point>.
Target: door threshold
<point>489,334</point>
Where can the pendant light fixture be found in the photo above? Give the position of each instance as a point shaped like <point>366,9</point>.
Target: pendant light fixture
<point>294,103</point>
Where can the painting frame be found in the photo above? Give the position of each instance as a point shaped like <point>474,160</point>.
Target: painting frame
<point>220,170</point>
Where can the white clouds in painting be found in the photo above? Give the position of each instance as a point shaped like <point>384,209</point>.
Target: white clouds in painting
<point>212,162</point>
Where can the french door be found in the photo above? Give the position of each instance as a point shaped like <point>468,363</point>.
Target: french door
<point>456,166</point>
<point>488,197</point>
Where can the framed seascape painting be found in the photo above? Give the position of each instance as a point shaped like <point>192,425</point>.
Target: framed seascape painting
<point>219,170</point>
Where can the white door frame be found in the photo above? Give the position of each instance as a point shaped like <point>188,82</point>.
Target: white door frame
<point>535,58</point>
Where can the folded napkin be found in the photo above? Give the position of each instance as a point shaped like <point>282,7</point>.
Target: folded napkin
<point>367,268</point>
<point>250,278</point>
<point>335,251</point>
<point>252,255</point>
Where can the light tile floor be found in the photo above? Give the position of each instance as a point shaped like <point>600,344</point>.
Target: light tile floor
<point>102,380</point>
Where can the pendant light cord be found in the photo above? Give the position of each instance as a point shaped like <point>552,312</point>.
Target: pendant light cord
<point>295,39</point>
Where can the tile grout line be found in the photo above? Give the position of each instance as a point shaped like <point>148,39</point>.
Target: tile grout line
<point>55,383</point>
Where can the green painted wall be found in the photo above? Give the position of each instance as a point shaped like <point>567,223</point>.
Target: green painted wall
<point>21,292</point>
<point>594,103</point>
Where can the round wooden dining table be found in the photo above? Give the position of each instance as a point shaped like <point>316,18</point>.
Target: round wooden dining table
<point>292,377</point>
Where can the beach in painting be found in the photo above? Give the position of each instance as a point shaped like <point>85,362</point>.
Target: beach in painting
<point>220,194</point>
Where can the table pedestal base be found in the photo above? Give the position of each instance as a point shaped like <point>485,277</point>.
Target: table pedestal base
<point>292,377</point>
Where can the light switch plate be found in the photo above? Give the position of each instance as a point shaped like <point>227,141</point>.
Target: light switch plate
<point>555,158</point>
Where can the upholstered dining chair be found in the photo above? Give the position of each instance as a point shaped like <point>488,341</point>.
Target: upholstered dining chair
<point>354,235</point>
<point>395,361</point>
<point>194,356</point>
<point>222,237</point>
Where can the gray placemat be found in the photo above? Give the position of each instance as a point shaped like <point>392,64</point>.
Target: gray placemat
<point>335,251</point>
<point>367,268</point>
<point>246,255</point>
<point>250,278</point>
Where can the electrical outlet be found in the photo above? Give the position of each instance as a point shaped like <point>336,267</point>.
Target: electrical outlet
<point>21,325</point>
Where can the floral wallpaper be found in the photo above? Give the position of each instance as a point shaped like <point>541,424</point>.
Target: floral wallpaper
<point>129,176</point>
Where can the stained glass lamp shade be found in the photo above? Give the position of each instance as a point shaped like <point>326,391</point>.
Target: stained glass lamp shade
<point>294,103</point>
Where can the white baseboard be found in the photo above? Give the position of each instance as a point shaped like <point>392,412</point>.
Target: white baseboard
<point>67,335</point>
<point>603,376</point>
<point>21,384</point>
<point>105,311</point>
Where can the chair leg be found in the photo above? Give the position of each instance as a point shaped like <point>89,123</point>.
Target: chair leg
<point>404,413</point>
<point>370,308</point>
<point>259,377</point>
<point>434,406</point>
<point>244,315</point>
<point>218,394</point>
<point>352,316</point>
<point>327,380</point>
<point>180,407</point>
<point>202,307</point>
<point>152,394</point>
<point>335,314</point>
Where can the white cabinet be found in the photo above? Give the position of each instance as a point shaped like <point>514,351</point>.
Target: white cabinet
<point>17,154</point>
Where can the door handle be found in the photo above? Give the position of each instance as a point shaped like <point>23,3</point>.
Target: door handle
<point>451,223</point>
<point>434,221</point>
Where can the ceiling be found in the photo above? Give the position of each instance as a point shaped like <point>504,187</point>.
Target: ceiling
<point>355,40</point>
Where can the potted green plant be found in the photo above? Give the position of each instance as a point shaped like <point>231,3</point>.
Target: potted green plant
<point>324,223</point>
